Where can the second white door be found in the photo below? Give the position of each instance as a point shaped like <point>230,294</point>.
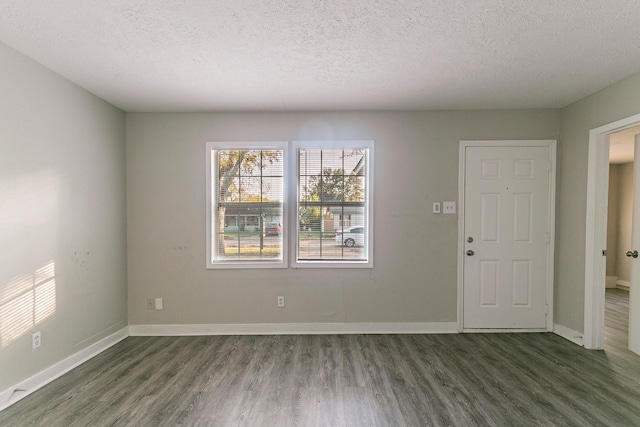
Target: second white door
<point>634,292</point>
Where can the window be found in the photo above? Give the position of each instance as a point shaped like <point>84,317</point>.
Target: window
<point>245,215</point>
<point>333,204</point>
<point>330,223</point>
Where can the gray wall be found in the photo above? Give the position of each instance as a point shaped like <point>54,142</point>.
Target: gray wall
<point>612,221</point>
<point>619,220</point>
<point>414,274</point>
<point>625,212</point>
<point>62,218</point>
<point>613,103</point>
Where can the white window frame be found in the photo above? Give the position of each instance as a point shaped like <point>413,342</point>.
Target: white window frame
<point>369,198</point>
<point>211,239</point>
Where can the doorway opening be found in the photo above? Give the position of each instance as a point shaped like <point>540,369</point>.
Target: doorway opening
<point>596,231</point>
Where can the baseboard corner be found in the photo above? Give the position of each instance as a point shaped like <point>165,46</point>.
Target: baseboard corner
<point>24,388</point>
<point>569,334</point>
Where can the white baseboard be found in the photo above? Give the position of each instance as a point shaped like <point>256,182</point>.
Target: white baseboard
<point>42,378</point>
<point>295,329</point>
<point>623,284</point>
<point>502,331</point>
<point>569,334</point>
<point>611,281</point>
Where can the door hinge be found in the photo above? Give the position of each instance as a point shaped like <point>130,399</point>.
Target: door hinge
<point>604,252</point>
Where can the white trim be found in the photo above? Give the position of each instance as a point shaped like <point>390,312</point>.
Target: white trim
<point>551,272</point>
<point>42,378</point>
<point>611,281</point>
<point>462,160</point>
<point>503,331</point>
<point>552,145</point>
<point>569,334</point>
<point>596,229</point>
<point>595,237</point>
<point>295,329</point>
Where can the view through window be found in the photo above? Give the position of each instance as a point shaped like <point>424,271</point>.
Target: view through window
<point>248,204</point>
<point>332,204</point>
<point>251,223</point>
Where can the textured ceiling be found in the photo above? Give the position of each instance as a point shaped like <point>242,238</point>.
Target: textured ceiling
<point>213,55</point>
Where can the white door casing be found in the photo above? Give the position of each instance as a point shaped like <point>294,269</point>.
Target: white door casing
<point>506,235</point>
<point>596,234</point>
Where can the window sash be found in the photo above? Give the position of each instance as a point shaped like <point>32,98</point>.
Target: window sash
<point>244,196</point>
<point>315,241</point>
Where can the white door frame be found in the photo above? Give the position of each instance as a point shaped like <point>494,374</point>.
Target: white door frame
<point>596,231</point>
<point>551,144</point>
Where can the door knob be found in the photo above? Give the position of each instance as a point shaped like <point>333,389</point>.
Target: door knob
<point>471,253</point>
<point>633,254</point>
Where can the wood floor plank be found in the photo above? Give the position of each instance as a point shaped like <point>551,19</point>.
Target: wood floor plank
<point>356,408</point>
<point>330,407</point>
<point>136,414</point>
<point>348,380</point>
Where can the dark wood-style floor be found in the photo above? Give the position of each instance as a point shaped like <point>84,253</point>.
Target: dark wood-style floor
<point>348,380</point>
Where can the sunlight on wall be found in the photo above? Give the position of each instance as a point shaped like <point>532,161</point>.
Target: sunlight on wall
<point>26,301</point>
<point>29,217</point>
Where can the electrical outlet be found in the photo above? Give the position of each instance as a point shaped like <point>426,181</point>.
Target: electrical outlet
<point>159,304</point>
<point>448,207</point>
<point>151,304</point>
<point>280,301</point>
<point>36,340</point>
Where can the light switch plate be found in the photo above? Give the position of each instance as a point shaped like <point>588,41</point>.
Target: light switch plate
<point>436,207</point>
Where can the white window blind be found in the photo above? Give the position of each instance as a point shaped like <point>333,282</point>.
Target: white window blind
<point>334,203</point>
<point>246,211</point>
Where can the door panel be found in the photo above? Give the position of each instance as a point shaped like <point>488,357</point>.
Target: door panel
<point>490,217</point>
<point>522,217</point>
<point>507,216</point>
<point>489,283</point>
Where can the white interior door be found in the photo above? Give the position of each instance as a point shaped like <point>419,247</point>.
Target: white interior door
<point>634,292</point>
<point>507,226</point>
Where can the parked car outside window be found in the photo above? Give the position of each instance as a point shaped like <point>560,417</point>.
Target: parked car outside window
<point>272,229</point>
<point>350,237</point>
